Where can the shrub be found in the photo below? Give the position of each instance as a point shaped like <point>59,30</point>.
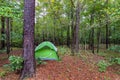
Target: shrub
<point>2,74</point>
<point>39,61</point>
<point>115,48</point>
<point>15,63</point>
<point>115,60</point>
<point>102,65</point>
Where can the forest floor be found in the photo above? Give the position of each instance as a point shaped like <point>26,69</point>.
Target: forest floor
<point>69,68</point>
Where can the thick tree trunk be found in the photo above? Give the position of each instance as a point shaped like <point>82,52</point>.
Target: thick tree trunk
<point>8,35</point>
<point>72,27</point>
<point>28,44</point>
<point>76,30</point>
<point>2,33</point>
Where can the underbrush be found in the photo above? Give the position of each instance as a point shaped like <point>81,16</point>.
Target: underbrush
<point>62,50</point>
<point>115,48</point>
<point>111,58</point>
<point>2,51</point>
<point>102,65</point>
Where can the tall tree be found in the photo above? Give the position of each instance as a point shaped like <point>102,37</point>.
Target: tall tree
<point>28,42</point>
<point>92,33</point>
<point>2,32</point>
<point>8,35</point>
<point>107,28</point>
<point>76,30</point>
<point>98,38</point>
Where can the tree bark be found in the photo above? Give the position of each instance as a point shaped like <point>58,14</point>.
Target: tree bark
<point>2,32</point>
<point>107,29</point>
<point>76,30</point>
<point>92,40</point>
<point>98,39</point>
<point>28,42</point>
<point>68,36</point>
<point>11,24</point>
<point>91,35</point>
<point>107,34</point>
<point>43,36</point>
<point>8,35</point>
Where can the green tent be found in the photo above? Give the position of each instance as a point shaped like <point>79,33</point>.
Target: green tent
<point>46,51</point>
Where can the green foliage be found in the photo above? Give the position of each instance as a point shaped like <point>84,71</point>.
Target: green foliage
<point>102,65</point>
<point>63,50</point>
<point>15,63</point>
<point>115,60</point>
<point>3,37</point>
<point>2,74</point>
<point>39,61</point>
<point>115,48</point>
<point>2,51</point>
<point>107,54</point>
<point>106,78</point>
<point>10,9</point>
<point>16,39</point>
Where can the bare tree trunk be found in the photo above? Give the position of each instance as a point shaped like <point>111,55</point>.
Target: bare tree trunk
<point>28,44</point>
<point>61,37</point>
<point>68,36</point>
<point>90,42</point>
<point>11,22</point>
<point>92,38</point>
<point>107,29</point>
<point>92,32</point>
<point>76,30</point>
<point>107,35</point>
<point>2,33</point>
<point>8,35</point>
<point>54,36</point>
<point>72,27</point>
<point>43,36</point>
<point>98,39</point>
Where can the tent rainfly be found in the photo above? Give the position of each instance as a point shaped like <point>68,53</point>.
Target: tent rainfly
<point>46,51</point>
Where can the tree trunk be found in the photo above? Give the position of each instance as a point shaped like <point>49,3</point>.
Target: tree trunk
<point>2,33</point>
<point>11,22</point>
<point>91,35</point>
<point>90,42</point>
<point>98,39</point>
<point>92,39</point>
<point>68,36</point>
<point>43,36</point>
<point>28,44</point>
<point>72,27</point>
<point>8,35</point>
<point>107,35</point>
<point>107,29</point>
<point>76,30</point>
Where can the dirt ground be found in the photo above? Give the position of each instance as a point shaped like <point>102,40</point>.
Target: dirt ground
<point>69,68</point>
